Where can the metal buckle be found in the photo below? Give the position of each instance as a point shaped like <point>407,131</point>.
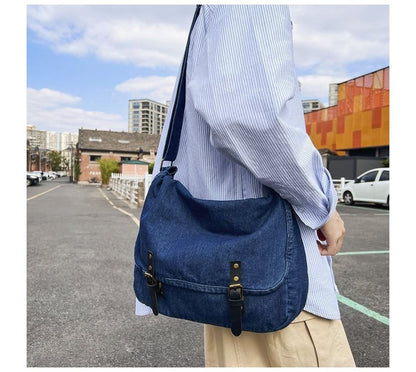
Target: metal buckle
<point>236,286</point>
<point>152,281</point>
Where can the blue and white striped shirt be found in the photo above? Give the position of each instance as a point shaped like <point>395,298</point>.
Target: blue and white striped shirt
<point>244,128</point>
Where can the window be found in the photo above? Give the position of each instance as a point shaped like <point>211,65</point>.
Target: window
<point>125,158</point>
<point>385,176</point>
<point>369,177</point>
<point>95,157</point>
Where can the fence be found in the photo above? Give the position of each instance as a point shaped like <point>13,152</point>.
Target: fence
<point>339,186</point>
<point>134,188</point>
<point>131,187</point>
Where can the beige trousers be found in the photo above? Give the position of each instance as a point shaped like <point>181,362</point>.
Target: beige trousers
<point>309,341</point>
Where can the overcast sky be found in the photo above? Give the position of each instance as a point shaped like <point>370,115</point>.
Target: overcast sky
<point>85,62</point>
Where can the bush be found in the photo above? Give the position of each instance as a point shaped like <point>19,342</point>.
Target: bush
<point>107,166</point>
<point>150,168</point>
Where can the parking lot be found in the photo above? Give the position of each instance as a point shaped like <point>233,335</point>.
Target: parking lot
<point>362,276</point>
<point>80,303</point>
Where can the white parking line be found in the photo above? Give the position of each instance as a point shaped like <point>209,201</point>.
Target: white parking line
<point>43,193</point>
<point>132,216</point>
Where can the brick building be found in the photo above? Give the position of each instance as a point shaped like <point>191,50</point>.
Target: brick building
<point>124,147</point>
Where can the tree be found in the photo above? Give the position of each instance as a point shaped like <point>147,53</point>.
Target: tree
<point>56,160</point>
<point>107,166</point>
<point>77,168</point>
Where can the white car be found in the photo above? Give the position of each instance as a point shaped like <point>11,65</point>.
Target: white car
<point>37,174</point>
<point>372,186</point>
<point>52,175</point>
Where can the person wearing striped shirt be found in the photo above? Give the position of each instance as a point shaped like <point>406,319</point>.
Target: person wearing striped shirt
<point>244,128</point>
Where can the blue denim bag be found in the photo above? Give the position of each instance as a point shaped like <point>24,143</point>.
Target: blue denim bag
<point>238,264</point>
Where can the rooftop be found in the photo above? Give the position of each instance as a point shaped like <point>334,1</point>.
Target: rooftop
<point>101,140</point>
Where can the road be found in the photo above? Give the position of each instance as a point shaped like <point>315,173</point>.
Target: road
<point>80,303</point>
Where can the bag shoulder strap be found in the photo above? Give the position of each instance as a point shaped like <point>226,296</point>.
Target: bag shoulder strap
<point>175,126</point>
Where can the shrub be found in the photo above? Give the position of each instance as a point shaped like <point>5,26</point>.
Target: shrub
<point>107,166</point>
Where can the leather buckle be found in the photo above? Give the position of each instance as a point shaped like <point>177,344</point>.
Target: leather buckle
<point>153,285</point>
<point>238,288</point>
<point>150,279</point>
<point>236,298</point>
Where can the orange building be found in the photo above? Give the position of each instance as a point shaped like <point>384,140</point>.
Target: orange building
<point>359,123</point>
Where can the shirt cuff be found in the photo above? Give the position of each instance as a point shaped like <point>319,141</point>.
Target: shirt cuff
<point>142,309</point>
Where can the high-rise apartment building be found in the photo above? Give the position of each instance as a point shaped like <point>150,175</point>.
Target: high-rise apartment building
<point>48,140</point>
<point>147,116</point>
<point>36,138</point>
<point>52,141</point>
<point>68,139</point>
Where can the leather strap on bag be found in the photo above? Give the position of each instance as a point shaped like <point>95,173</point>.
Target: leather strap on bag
<point>153,285</point>
<point>236,298</point>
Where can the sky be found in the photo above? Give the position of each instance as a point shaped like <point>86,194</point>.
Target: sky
<point>85,62</point>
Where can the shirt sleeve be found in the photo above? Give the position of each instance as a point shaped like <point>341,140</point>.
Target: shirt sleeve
<point>245,87</point>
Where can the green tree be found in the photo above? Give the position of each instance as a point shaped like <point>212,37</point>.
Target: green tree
<point>56,160</point>
<point>77,168</point>
<point>107,166</point>
<point>150,168</point>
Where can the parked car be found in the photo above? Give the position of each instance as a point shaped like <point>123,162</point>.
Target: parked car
<point>41,174</point>
<point>36,174</point>
<point>372,186</point>
<point>52,175</point>
<point>31,179</point>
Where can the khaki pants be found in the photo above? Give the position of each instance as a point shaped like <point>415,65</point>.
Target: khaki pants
<point>309,341</point>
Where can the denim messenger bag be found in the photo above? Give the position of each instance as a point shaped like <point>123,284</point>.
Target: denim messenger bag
<point>238,264</point>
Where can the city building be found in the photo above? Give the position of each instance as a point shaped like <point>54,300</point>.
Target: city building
<point>310,105</point>
<point>49,140</point>
<point>133,149</point>
<point>147,116</point>
<point>36,138</point>
<point>67,139</point>
<point>52,141</point>
<point>333,94</point>
<point>41,142</point>
<point>358,125</point>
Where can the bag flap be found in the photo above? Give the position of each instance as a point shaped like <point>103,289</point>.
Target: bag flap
<point>193,241</point>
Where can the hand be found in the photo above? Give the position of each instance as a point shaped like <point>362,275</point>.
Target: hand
<point>333,232</point>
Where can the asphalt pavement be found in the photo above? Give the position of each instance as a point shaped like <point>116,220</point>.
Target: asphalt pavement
<point>80,301</point>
